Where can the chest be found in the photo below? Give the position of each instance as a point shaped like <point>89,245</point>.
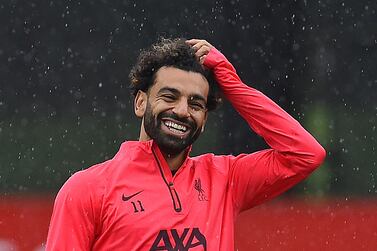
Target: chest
<point>145,208</point>
<point>153,197</point>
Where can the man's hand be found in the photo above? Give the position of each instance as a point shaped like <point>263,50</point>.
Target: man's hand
<point>201,47</point>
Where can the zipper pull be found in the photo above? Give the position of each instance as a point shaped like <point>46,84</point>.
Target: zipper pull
<point>176,201</point>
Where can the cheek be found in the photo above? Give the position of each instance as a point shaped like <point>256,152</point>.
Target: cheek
<point>161,106</point>
<point>200,120</point>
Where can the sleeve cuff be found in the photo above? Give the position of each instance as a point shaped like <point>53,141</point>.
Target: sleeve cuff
<point>213,58</point>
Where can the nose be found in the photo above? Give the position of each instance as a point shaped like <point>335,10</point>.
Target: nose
<point>181,108</point>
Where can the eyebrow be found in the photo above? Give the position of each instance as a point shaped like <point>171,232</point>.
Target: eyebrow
<point>168,89</point>
<point>176,92</point>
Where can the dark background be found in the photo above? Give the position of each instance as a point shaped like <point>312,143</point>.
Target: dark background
<point>65,103</point>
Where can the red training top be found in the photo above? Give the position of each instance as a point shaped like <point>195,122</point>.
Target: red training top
<point>132,202</point>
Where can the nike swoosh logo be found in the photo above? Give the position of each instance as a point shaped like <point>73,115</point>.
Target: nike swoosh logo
<point>126,198</point>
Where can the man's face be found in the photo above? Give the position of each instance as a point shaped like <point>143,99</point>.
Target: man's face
<point>175,112</point>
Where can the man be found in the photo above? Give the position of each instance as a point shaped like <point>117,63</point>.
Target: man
<point>152,195</point>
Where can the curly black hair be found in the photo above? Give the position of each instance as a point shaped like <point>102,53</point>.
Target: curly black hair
<point>169,52</point>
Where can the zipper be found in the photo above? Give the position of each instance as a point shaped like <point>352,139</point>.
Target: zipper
<point>173,193</point>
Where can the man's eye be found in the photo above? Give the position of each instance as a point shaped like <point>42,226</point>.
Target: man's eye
<point>168,97</point>
<point>197,106</point>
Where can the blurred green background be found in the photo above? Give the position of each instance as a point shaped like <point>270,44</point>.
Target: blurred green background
<point>65,104</point>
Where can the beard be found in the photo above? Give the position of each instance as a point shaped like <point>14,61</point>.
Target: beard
<point>169,144</point>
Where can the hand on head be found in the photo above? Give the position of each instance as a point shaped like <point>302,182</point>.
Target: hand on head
<point>201,47</point>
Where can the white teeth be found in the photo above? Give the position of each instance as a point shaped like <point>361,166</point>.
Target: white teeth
<point>173,125</point>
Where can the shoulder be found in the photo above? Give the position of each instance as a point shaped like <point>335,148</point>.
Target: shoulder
<point>220,163</point>
<point>99,173</point>
<point>88,183</point>
<point>94,179</point>
<point>82,182</point>
<point>225,163</point>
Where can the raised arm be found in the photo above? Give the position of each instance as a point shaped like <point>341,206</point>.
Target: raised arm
<point>294,153</point>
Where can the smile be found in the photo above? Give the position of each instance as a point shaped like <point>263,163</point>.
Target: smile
<point>174,127</point>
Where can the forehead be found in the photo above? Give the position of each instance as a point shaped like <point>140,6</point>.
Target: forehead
<point>186,82</point>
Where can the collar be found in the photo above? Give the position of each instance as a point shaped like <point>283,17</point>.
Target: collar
<point>162,161</point>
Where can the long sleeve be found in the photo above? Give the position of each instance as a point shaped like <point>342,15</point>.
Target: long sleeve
<point>294,154</point>
<point>72,225</point>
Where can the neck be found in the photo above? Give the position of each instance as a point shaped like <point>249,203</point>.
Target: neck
<point>174,161</point>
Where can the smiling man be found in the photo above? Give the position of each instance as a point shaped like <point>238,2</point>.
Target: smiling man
<point>152,195</point>
<point>179,110</point>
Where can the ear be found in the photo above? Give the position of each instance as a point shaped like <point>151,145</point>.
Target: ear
<point>140,103</point>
